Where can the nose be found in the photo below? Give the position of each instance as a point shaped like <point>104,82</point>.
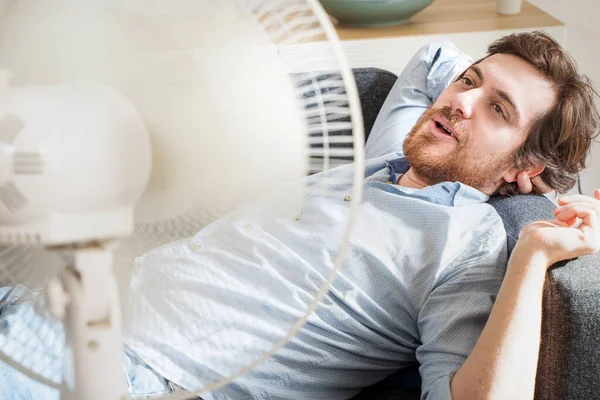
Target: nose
<point>463,103</point>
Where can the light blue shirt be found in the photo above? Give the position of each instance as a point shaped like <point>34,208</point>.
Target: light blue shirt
<point>417,284</point>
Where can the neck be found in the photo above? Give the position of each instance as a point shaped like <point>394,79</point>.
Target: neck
<point>412,180</point>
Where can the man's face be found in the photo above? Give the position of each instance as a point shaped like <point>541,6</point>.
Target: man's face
<point>488,113</point>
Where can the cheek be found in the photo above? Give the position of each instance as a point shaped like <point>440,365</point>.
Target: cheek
<point>494,140</point>
<point>444,99</point>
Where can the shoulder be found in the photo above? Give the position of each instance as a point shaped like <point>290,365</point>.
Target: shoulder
<point>481,238</point>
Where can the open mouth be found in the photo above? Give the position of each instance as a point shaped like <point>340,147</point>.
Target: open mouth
<point>443,128</point>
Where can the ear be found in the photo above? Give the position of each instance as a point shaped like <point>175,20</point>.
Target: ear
<point>511,174</point>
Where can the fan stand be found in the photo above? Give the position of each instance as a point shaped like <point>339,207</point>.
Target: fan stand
<point>87,300</point>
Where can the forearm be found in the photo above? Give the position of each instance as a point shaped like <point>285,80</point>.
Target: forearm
<point>503,362</point>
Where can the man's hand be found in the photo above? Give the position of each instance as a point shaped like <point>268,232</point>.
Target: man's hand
<point>562,238</point>
<point>526,184</point>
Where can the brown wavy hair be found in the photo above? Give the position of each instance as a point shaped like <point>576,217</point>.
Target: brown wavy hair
<point>561,138</point>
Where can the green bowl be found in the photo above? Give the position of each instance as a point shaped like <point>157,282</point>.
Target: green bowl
<point>373,12</point>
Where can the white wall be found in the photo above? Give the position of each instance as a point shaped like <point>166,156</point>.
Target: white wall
<point>583,42</point>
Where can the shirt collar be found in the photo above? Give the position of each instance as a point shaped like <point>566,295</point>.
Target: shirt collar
<point>443,193</point>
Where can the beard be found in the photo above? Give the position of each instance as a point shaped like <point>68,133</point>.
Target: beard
<point>477,168</point>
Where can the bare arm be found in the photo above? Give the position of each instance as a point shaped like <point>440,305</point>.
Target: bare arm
<point>503,362</point>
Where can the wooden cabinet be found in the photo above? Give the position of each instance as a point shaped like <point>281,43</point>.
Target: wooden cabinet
<point>471,24</point>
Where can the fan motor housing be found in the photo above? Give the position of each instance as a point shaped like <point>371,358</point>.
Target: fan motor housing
<point>73,161</point>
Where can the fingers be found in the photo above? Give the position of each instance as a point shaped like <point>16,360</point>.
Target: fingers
<point>540,185</point>
<point>579,198</point>
<point>589,229</point>
<point>587,212</point>
<point>577,208</point>
<point>525,186</point>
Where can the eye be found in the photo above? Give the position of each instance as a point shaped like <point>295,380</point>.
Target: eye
<point>467,81</point>
<point>499,110</point>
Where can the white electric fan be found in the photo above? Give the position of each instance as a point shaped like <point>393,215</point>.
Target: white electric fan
<point>126,125</point>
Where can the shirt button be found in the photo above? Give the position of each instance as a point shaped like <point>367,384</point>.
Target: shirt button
<point>347,198</point>
<point>298,217</point>
<point>194,246</point>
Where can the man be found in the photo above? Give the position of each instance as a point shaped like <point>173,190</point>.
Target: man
<point>425,263</point>
<point>501,121</point>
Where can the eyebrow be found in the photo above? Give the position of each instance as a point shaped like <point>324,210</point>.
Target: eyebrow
<point>499,92</point>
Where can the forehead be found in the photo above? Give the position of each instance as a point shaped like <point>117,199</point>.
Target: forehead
<point>528,88</point>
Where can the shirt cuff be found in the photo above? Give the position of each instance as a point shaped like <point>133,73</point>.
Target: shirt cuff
<point>439,389</point>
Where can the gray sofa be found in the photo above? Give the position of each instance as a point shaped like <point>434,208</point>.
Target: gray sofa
<point>569,363</point>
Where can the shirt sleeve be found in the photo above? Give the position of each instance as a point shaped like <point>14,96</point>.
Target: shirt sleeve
<point>455,313</point>
<point>421,82</point>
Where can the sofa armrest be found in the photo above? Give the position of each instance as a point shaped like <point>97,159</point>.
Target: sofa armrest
<point>569,363</point>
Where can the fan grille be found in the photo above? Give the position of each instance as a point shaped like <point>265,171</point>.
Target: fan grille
<point>325,98</point>
<point>10,126</point>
